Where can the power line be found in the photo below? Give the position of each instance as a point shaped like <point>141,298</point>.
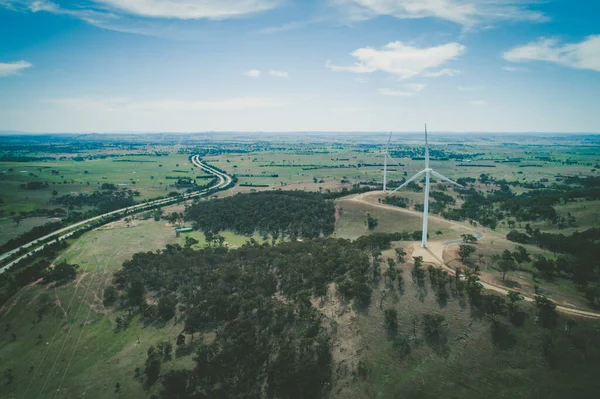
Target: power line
<point>68,334</point>
<point>84,324</point>
<point>52,339</point>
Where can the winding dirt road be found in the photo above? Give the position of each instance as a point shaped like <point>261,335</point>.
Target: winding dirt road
<point>435,251</point>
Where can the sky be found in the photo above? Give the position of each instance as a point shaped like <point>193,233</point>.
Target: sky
<point>299,65</point>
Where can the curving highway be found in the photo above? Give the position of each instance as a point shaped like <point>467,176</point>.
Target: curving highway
<point>66,232</point>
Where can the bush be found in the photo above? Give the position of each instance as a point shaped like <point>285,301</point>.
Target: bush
<point>516,236</point>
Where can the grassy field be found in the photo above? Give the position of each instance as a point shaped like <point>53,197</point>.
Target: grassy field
<point>84,350</point>
<point>145,174</point>
<point>352,222</point>
<point>125,238</point>
<point>9,229</point>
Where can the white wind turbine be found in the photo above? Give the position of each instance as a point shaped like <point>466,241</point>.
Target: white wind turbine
<point>427,172</point>
<point>386,156</point>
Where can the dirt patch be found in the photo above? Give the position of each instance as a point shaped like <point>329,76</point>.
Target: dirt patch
<point>58,303</point>
<point>342,324</point>
<point>80,278</point>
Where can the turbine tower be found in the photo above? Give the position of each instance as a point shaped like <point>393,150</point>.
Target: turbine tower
<point>427,172</point>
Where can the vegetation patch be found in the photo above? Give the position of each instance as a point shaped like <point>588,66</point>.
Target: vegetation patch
<point>278,213</point>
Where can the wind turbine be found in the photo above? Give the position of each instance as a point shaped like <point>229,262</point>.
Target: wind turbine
<point>427,172</point>
<point>386,156</point>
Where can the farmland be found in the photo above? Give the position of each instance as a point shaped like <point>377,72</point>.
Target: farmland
<point>309,219</point>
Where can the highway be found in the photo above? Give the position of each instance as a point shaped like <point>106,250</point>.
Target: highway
<point>66,232</point>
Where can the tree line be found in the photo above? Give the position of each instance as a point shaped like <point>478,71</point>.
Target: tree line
<point>578,259</point>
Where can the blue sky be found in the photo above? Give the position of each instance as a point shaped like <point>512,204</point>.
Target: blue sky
<point>299,65</point>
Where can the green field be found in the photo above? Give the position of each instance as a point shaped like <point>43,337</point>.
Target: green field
<point>145,174</point>
<point>125,238</point>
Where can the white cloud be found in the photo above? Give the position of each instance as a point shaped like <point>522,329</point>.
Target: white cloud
<point>442,72</point>
<point>361,80</point>
<point>512,69</point>
<point>279,74</point>
<point>120,104</point>
<point>582,55</point>
<point>416,87</point>
<point>410,90</point>
<point>191,9</point>
<point>478,103</point>
<point>13,68</point>
<point>253,73</point>
<point>471,88</point>
<point>386,91</point>
<point>402,60</point>
<point>147,17</point>
<point>464,12</point>
<point>356,68</point>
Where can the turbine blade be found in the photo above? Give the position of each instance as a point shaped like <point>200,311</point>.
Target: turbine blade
<point>415,177</point>
<point>444,178</point>
<point>394,161</point>
<point>426,149</point>
<point>387,147</point>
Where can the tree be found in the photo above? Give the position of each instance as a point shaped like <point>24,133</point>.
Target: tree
<point>513,297</point>
<point>17,219</point>
<point>432,324</point>
<point>165,349</point>
<point>592,294</point>
<point>468,238</point>
<point>173,217</point>
<point>545,266</point>
<point>54,193</point>
<point>400,254</point>
<point>418,273</point>
<point>190,241</point>
<point>516,236</point>
<point>390,317</point>
<point>565,264</point>
<point>494,305</point>
<point>521,255</point>
<point>465,251</point>
<point>219,239</point>
<point>402,345</point>
<point>152,368</point>
<point>136,293</point>
<point>166,307</point>
<point>209,237</point>
<point>391,273</point>
<point>418,261</point>
<point>546,311</point>
<point>474,287</point>
<point>61,273</point>
<point>180,340</point>
<point>371,223</point>
<point>110,296</point>
<point>506,263</point>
